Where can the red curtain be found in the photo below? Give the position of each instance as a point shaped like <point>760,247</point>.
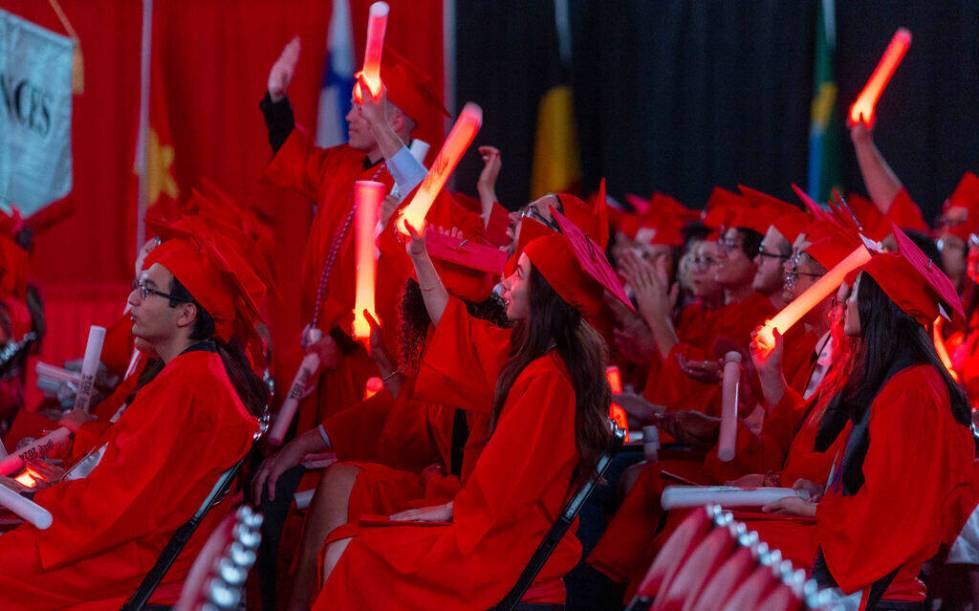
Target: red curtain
<point>216,56</point>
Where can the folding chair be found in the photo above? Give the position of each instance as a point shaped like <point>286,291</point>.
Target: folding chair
<point>218,575</point>
<point>560,527</point>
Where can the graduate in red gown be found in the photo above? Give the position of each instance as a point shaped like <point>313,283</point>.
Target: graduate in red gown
<point>543,384</point>
<point>902,484</point>
<point>192,422</point>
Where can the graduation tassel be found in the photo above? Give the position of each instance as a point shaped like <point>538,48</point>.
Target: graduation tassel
<point>77,60</point>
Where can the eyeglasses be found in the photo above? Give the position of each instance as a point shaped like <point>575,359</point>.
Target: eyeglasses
<point>145,291</point>
<point>772,255</point>
<point>729,244</point>
<point>532,212</point>
<point>703,262</point>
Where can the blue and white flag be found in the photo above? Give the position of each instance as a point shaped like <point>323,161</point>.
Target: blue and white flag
<point>35,114</point>
<point>338,78</point>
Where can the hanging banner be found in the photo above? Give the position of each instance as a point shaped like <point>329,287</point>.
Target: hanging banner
<point>35,114</point>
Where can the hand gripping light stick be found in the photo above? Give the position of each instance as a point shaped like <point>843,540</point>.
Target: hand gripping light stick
<point>821,289</point>
<point>458,140</point>
<point>615,411</point>
<point>729,406</point>
<point>376,25</point>
<point>368,196</point>
<point>863,109</point>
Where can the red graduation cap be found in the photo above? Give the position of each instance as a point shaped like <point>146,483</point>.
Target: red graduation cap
<point>468,254</point>
<point>721,207</point>
<point>411,90</point>
<point>828,245</point>
<point>576,267</point>
<point>966,195</point>
<point>912,281</point>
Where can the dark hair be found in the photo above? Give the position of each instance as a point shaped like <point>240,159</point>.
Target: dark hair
<point>927,245</point>
<point>751,241</point>
<point>693,232</point>
<point>888,336</point>
<point>555,324</point>
<point>251,389</point>
<point>415,321</point>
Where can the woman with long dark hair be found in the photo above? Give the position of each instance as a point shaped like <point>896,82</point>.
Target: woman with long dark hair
<point>542,383</point>
<point>901,481</point>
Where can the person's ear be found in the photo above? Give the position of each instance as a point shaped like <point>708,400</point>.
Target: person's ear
<point>187,315</point>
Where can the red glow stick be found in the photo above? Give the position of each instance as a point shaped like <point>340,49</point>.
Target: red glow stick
<point>936,334</point>
<point>615,411</point>
<point>458,140</point>
<point>729,407</point>
<point>376,25</point>
<point>45,446</point>
<point>368,196</point>
<point>862,110</point>
<point>821,289</point>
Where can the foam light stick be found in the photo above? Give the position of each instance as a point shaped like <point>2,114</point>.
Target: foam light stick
<point>615,411</point>
<point>456,143</point>
<point>39,449</point>
<point>863,109</point>
<point>821,289</point>
<point>25,508</point>
<point>936,336</point>
<point>58,374</point>
<point>376,25</point>
<point>726,496</point>
<point>90,367</point>
<point>307,369</point>
<point>729,406</point>
<point>368,196</point>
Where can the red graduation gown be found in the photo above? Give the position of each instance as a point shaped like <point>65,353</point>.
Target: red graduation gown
<point>917,471</point>
<point>514,494</point>
<point>163,457</point>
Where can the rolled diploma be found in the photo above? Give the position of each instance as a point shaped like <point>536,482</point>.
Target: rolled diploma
<point>729,406</point>
<point>25,508</point>
<point>39,449</point>
<point>90,366</point>
<point>58,374</point>
<point>726,496</point>
<point>288,410</point>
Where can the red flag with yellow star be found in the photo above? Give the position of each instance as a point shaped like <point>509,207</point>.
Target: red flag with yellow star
<point>162,191</point>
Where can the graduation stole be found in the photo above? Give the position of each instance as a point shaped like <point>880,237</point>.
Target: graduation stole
<point>848,478</point>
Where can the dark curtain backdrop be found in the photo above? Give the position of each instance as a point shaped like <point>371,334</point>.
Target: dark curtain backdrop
<point>679,96</point>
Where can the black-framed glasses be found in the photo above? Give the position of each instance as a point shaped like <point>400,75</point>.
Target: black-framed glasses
<point>145,291</point>
<point>533,213</point>
<point>772,255</point>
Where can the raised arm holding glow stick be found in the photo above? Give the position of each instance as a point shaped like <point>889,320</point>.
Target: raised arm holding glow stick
<point>90,367</point>
<point>25,508</point>
<point>367,196</point>
<point>863,109</point>
<point>458,140</point>
<point>821,289</point>
<point>729,406</point>
<point>376,25</point>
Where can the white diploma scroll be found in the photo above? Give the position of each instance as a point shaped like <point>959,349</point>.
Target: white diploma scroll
<point>296,391</point>
<point>25,508</point>
<point>729,406</point>
<point>725,496</point>
<point>39,449</point>
<point>90,367</point>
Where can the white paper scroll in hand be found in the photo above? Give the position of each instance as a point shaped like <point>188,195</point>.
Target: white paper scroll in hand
<point>25,508</point>
<point>90,367</point>
<point>729,407</point>
<point>297,391</point>
<point>725,496</point>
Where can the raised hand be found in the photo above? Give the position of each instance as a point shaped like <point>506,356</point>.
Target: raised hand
<point>415,245</point>
<point>486,185</point>
<point>283,69</point>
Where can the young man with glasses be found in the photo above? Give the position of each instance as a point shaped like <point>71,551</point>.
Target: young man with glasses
<point>160,460</point>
